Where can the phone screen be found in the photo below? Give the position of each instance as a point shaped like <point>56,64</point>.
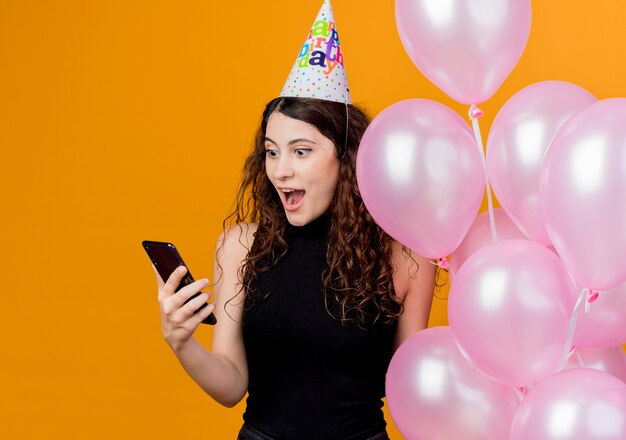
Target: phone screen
<point>166,259</point>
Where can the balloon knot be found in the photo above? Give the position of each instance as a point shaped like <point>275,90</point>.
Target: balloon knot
<point>592,295</point>
<point>443,263</point>
<point>474,112</point>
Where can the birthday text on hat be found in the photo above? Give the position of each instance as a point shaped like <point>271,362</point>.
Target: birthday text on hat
<point>322,36</point>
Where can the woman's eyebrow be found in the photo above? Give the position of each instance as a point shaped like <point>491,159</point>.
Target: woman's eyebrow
<point>295,141</point>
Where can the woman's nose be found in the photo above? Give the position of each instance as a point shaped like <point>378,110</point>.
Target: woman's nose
<point>284,168</point>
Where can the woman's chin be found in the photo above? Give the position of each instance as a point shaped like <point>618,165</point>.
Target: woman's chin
<point>296,219</point>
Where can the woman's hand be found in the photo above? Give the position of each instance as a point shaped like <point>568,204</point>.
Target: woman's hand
<point>178,321</point>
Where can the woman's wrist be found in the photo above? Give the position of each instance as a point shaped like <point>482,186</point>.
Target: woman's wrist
<point>181,348</point>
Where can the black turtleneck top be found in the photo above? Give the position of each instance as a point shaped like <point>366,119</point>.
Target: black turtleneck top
<point>309,376</point>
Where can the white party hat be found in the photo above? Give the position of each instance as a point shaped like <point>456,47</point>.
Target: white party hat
<point>319,71</point>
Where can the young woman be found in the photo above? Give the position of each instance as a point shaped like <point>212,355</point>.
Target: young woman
<point>312,297</point>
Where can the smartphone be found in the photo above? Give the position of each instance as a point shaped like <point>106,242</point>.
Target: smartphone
<point>166,259</point>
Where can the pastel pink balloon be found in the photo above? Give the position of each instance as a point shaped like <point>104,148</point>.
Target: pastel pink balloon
<point>467,48</point>
<point>420,175</point>
<point>583,194</point>
<point>578,404</point>
<point>434,393</point>
<point>509,308</point>
<point>517,142</point>
<point>479,236</point>
<point>605,324</point>
<point>611,360</point>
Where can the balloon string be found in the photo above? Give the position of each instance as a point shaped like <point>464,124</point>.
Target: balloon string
<point>474,114</point>
<point>572,352</point>
<point>580,359</point>
<point>588,296</point>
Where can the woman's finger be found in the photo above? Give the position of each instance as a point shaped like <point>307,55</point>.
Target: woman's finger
<point>186,311</point>
<point>197,318</point>
<point>190,290</point>
<point>173,281</point>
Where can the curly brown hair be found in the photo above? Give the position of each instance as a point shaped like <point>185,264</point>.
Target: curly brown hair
<point>360,271</point>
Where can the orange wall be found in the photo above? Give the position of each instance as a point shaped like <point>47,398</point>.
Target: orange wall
<point>128,120</point>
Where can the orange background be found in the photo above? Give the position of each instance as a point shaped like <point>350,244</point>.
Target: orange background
<point>129,120</point>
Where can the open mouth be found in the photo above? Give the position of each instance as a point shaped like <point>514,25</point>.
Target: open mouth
<point>292,197</point>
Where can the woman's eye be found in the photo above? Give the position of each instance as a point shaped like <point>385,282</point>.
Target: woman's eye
<point>271,153</point>
<point>302,151</point>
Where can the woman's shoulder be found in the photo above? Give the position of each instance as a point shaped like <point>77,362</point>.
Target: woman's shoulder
<point>243,229</point>
<point>406,265</point>
<point>237,238</point>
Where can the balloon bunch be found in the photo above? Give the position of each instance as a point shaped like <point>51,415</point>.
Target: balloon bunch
<point>520,359</point>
